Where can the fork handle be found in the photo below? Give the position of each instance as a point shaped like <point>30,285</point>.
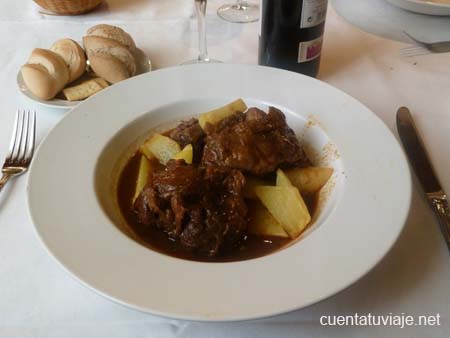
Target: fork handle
<point>5,178</point>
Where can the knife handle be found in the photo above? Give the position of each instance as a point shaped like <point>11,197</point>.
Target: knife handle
<point>440,207</point>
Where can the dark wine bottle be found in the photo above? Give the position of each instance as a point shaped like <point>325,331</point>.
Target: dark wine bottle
<point>291,34</point>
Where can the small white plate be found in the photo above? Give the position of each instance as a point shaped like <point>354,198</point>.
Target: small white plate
<point>143,64</point>
<point>430,7</point>
<point>54,103</point>
<point>73,205</point>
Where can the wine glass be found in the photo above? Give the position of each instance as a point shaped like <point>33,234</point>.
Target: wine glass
<point>200,9</point>
<point>239,12</point>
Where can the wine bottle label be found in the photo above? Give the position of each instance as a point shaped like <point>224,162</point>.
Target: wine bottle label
<point>309,50</point>
<point>313,13</point>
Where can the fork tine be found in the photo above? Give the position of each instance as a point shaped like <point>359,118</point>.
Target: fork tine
<point>412,52</point>
<point>408,52</point>
<point>31,137</point>
<point>13,136</point>
<point>25,135</point>
<point>18,137</point>
<point>412,48</point>
<point>418,53</point>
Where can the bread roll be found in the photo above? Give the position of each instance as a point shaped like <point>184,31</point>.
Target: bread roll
<point>100,45</point>
<point>110,52</point>
<point>108,67</point>
<point>73,55</point>
<point>39,81</point>
<point>113,33</point>
<point>54,63</point>
<point>45,74</point>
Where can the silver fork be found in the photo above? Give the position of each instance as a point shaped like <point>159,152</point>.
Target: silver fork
<point>424,48</point>
<point>21,147</point>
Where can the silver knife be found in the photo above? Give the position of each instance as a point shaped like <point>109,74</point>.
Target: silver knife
<point>421,164</point>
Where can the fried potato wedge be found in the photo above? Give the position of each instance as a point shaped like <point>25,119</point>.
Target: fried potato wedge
<point>282,179</point>
<point>215,116</point>
<point>309,179</point>
<point>145,170</point>
<point>186,154</point>
<point>161,147</point>
<point>250,183</point>
<point>146,152</point>
<point>262,222</point>
<point>287,206</point>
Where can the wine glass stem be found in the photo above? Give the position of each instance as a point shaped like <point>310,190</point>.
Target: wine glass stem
<point>241,4</point>
<point>200,7</point>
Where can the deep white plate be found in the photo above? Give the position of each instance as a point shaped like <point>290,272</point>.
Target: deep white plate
<point>430,7</point>
<point>71,195</point>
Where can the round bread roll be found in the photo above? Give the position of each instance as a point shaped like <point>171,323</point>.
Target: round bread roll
<point>123,55</point>
<point>108,67</point>
<point>113,33</point>
<point>73,55</point>
<point>100,45</point>
<point>45,74</point>
<point>39,81</point>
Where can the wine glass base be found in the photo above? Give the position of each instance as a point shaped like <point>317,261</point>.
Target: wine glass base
<point>200,61</point>
<point>239,13</point>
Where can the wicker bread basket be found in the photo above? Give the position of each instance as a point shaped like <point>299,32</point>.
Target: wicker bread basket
<point>68,7</point>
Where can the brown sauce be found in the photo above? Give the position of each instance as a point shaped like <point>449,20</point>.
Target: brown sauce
<point>252,246</point>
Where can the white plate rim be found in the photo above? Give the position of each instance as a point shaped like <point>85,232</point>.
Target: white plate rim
<point>405,186</point>
<point>423,7</point>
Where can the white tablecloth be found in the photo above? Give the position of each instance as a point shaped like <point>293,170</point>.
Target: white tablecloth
<point>38,299</point>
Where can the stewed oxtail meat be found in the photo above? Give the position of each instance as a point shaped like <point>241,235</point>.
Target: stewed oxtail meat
<point>190,132</point>
<point>200,206</point>
<point>254,142</point>
<point>203,208</point>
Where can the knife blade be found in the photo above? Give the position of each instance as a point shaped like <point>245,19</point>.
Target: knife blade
<point>424,171</point>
